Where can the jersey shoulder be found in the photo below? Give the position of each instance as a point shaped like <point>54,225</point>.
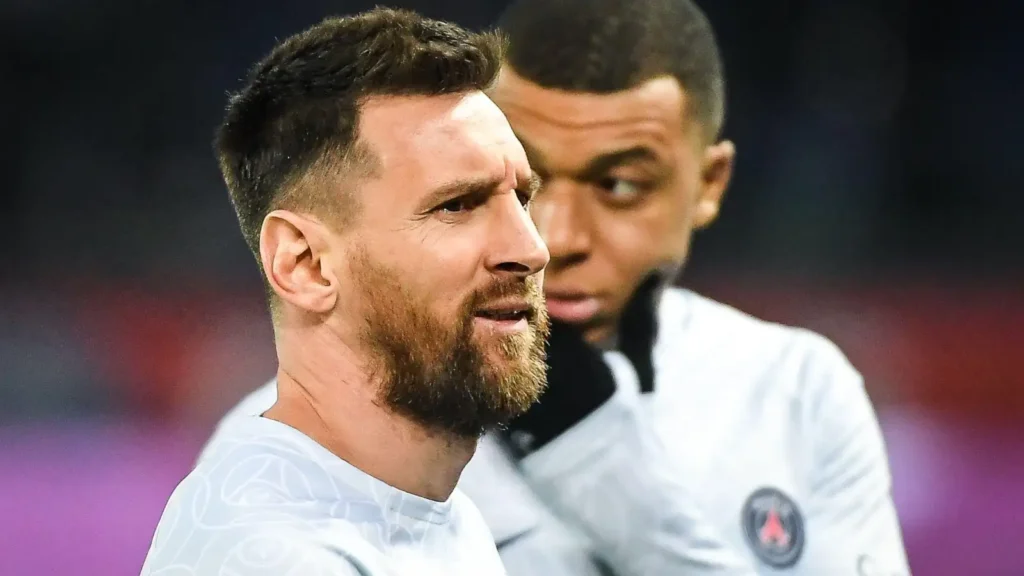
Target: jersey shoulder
<point>254,404</point>
<point>256,486</point>
<point>717,341</point>
<point>251,472</point>
<point>468,522</point>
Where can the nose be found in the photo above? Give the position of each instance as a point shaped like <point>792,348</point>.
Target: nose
<point>517,247</point>
<point>562,217</point>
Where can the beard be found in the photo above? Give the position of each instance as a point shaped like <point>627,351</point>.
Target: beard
<point>437,372</point>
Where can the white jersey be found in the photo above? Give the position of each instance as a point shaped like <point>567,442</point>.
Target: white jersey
<point>758,452</point>
<point>268,501</point>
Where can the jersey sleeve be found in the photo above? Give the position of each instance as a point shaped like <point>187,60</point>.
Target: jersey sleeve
<point>851,514</point>
<point>609,476</point>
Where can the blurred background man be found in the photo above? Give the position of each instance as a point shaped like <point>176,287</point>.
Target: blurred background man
<point>875,201</point>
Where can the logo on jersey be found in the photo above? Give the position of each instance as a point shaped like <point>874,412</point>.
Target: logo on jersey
<point>773,527</point>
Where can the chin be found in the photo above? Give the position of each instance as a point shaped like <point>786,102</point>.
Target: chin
<point>515,343</point>
<point>597,334</point>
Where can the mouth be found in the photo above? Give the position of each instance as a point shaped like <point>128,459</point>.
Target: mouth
<point>507,316</point>
<point>572,307</point>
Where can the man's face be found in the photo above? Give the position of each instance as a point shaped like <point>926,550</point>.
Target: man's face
<point>445,265</point>
<point>626,180</point>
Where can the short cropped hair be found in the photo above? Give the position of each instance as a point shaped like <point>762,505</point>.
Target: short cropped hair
<point>296,118</point>
<point>605,46</point>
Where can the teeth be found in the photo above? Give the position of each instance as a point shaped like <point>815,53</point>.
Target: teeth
<point>512,315</point>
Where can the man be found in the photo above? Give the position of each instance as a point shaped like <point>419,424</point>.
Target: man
<point>676,435</point>
<point>385,197</point>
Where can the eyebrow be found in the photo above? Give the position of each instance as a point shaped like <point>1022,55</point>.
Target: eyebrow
<point>474,187</point>
<point>600,165</point>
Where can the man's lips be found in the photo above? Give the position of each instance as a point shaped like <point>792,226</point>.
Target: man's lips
<point>507,316</point>
<point>572,307</point>
<point>512,309</point>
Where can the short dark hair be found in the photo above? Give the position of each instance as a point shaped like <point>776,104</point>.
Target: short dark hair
<point>605,46</point>
<point>298,111</point>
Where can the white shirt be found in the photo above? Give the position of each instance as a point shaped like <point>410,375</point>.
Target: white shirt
<point>267,500</point>
<point>757,453</point>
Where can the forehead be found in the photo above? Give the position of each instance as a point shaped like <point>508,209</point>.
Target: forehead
<point>583,124</point>
<point>428,141</point>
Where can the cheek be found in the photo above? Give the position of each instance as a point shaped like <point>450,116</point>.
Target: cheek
<point>439,270</point>
<point>626,251</point>
<point>654,235</point>
<point>633,248</point>
<point>669,217</point>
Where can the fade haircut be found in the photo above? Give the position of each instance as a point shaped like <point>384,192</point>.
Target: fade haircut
<point>294,123</point>
<point>605,46</point>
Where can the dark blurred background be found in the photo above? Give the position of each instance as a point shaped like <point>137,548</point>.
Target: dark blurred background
<point>877,200</point>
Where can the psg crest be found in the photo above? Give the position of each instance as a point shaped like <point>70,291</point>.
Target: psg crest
<point>773,527</point>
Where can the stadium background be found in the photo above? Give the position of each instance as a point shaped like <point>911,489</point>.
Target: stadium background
<point>877,199</point>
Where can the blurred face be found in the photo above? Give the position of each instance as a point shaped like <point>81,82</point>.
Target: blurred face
<point>443,265</point>
<point>626,180</point>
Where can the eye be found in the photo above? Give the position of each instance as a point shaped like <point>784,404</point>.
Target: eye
<point>462,204</point>
<point>619,190</point>
<point>454,206</point>
<point>524,198</point>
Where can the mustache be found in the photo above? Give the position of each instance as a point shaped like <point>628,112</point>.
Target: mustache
<point>528,289</point>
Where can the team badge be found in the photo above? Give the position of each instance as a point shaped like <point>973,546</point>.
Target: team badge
<point>773,527</point>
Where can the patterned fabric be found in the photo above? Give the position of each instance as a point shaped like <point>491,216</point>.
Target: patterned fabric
<point>267,500</point>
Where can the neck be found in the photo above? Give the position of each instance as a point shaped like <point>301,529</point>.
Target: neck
<point>325,393</point>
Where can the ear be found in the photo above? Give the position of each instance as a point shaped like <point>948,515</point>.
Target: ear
<point>295,252</point>
<point>715,176</point>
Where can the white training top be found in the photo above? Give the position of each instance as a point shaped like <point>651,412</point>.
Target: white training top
<point>757,453</point>
<point>267,500</point>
